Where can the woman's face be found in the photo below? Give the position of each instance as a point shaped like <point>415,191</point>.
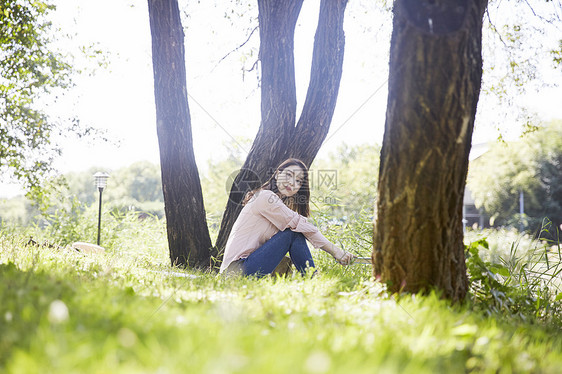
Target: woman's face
<point>290,180</point>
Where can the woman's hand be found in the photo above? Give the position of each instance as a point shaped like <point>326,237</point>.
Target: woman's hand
<point>341,256</point>
<point>345,258</point>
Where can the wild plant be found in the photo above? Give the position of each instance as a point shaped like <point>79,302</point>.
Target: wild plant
<point>525,283</point>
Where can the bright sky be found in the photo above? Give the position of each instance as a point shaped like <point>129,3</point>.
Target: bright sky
<point>223,104</point>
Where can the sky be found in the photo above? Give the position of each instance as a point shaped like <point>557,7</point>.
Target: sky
<point>223,101</point>
<point>224,104</point>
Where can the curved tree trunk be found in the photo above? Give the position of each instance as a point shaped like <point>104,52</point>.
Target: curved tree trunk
<point>277,20</point>
<point>188,234</point>
<point>278,138</point>
<point>325,77</point>
<point>435,75</point>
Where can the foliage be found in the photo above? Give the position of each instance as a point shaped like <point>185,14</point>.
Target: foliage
<point>532,165</point>
<point>353,235</point>
<point>218,178</point>
<point>134,188</point>
<point>344,184</point>
<point>30,67</point>
<point>125,311</point>
<point>15,210</point>
<point>346,181</point>
<point>523,282</point>
<point>71,223</point>
<point>520,44</point>
<point>137,183</point>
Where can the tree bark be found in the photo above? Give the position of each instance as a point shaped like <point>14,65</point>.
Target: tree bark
<point>188,234</point>
<point>278,138</point>
<point>277,20</point>
<point>434,84</point>
<point>325,77</point>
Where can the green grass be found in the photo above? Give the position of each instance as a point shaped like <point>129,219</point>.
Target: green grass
<point>122,312</point>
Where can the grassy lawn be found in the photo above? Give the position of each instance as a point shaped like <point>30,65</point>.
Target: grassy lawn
<point>124,311</point>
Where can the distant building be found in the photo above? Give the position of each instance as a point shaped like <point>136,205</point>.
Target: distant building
<point>471,215</point>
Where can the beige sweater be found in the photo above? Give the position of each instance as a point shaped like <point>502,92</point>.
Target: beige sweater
<point>261,218</point>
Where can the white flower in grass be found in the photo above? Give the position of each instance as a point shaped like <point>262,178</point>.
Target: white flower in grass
<point>127,338</point>
<point>318,362</point>
<point>58,312</point>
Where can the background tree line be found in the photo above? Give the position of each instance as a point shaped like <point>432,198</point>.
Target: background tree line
<point>347,190</point>
<point>531,165</point>
<point>342,184</point>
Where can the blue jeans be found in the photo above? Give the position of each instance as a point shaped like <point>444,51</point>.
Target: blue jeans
<point>266,258</point>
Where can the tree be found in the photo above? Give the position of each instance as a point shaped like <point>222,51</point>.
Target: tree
<point>188,234</point>
<point>532,166</point>
<point>141,181</point>
<point>30,67</point>
<point>280,136</point>
<point>434,83</point>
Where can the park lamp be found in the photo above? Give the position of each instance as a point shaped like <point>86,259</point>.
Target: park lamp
<point>101,182</point>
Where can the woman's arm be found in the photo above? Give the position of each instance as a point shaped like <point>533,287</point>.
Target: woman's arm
<point>339,254</point>
<point>270,206</point>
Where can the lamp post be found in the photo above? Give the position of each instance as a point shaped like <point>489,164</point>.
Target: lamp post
<point>101,181</point>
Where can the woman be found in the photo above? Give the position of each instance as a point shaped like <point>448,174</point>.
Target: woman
<point>273,223</point>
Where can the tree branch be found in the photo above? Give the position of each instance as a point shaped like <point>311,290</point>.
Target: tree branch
<point>235,49</point>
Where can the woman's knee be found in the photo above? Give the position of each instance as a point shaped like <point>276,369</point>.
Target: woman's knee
<point>287,232</point>
<point>299,236</point>
<point>294,236</point>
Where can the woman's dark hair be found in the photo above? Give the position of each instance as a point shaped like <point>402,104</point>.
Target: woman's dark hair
<point>299,201</point>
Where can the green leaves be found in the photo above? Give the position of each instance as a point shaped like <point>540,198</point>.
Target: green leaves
<point>29,68</point>
<point>522,283</point>
<point>533,166</point>
<point>499,270</point>
<point>557,54</point>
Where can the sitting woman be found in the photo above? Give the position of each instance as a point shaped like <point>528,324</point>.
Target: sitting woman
<point>273,223</point>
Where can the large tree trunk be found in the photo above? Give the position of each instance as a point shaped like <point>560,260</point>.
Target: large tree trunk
<point>188,234</point>
<point>278,138</point>
<point>435,75</point>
